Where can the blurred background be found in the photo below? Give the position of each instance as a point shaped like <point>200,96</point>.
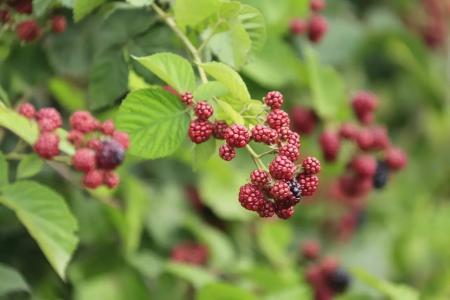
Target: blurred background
<point>172,232</point>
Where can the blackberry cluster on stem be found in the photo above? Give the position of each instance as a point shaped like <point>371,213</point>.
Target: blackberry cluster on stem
<point>315,26</point>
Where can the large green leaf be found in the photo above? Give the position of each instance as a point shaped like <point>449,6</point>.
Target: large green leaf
<point>68,95</point>
<point>223,291</point>
<point>229,77</point>
<point>274,240</point>
<point>19,125</point>
<point>209,90</point>
<point>253,22</point>
<point>47,218</point>
<point>84,7</point>
<point>172,69</point>
<point>29,166</point>
<point>4,179</point>
<point>192,12</point>
<point>156,121</point>
<point>11,281</point>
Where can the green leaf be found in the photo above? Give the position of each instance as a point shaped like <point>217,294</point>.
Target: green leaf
<point>223,291</point>
<point>19,125</point>
<point>227,112</point>
<point>108,79</point>
<point>41,6</point>
<point>4,179</point>
<point>172,69</point>
<point>229,77</point>
<point>84,7</point>
<point>197,276</point>
<point>203,152</point>
<point>68,95</point>
<point>11,281</point>
<point>140,2</point>
<point>156,121</point>
<point>274,239</point>
<point>192,12</point>
<point>29,166</point>
<point>47,218</point>
<point>147,263</point>
<point>254,24</point>
<point>4,97</point>
<point>210,89</point>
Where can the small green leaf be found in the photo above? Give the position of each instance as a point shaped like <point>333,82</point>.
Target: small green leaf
<point>228,113</point>
<point>19,125</point>
<point>29,166</point>
<point>210,89</point>
<point>11,281</point>
<point>46,217</point>
<point>274,239</point>
<point>140,2</point>
<point>197,276</point>
<point>4,179</point>
<point>203,152</point>
<point>192,12</point>
<point>229,77</point>
<point>156,121</point>
<point>41,6</point>
<point>172,69</point>
<point>68,95</point>
<point>84,7</point>
<point>223,291</point>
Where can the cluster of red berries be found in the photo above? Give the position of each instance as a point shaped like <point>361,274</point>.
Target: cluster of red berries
<point>279,189</point>
<point>325,275</point>
<point>100,148</point>
<point>27,30</point>
<point>315,27</point>
<point>190,253</point>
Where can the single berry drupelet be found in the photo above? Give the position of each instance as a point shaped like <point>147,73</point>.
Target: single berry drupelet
<point>260,178</point>
<point>187,98</point>
<point>27,110</point>
<point>251,197</point>
<point>200,131</point>
<point>84,160</point>
<point>110,155</point>
<point>298,26</point>
<point>83,121</point>
<point>304,120</point>
<point>28,31</point>
<point>338,281</point>
<point>237,136</point>
<point>274,99</point>
<point>59,24</point>
<point>47,145</point>
<point>285,213</point>
<point>111,179</point>
<point>282,168</point>
<point>317,28</point>
<point>308,184</point>
<point>310,250</point>
<point>49,119</point>
<point>203,110</point>
<point>280,191</point>
<point>266,210</point>
<point>311,165</point>
<point>381,175</point>
<point>295,188</point>
<point>317,5</point>
<point>226,152</point>
<point>290,151</point>
<point>396,159</point>
<point>277,119</point>
<point>122,138</point>
<point>93,179</point>
<point>264,134</point>
<point>220,127</point>
<point>364,165</point>
<point>330,144</point>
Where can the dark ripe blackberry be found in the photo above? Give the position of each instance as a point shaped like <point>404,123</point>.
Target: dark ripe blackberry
<point>110,155</point>
<point>381,175</point>
<point>295,188</point>
<point>339,281</point>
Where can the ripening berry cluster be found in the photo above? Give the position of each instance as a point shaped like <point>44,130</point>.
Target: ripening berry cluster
<point>273,191</point>
<point>15,15</point>
<point>315,27</point>
<point>190,253</point>
<point>100,148</point>
<point>325,275</point>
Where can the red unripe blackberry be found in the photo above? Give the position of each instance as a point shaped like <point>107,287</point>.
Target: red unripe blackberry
<point>317,27</point>
<point>380,137</point>
<point>264,134</point>
<point>290,151</point>
<point>282,168</point>
<point>93,179</point>
<point>364,165</point>
<point>311,250</point>
<point>200,131</point>
<point>47,145</point>
<point>111,179</point>
<point>187,98</point>
<point>110,155</point>
<point>75,137</point>
<point>274,99</point>
<point>190,253</point>
<point>395,159</point>
<point>251,197</point>
<point>203,110</point>
<point>266,210</point>
<point>94,144</point>
<point>304,120</point>
<point>364,104</point>
<point>280,191</point>
<point>220,128</point>
<point>277,119</point>
<point>237,136</point>
<point>28,31</point>
<point>348,131</point>
<point>311,165</point>
<point>330,144</point>
<point>365,140</point>
<point>298,26</point>
<point>108,127</point>
<point>308,183</point>
<point>84,160</point>
<point>122,138</point>
<point>313,275</point>
<point>226,152</point>
<point>285,213</point>
<point>23,6</point>
<point>328,265</point>
<point>317,5</point>
<point>83,121</point>
<point>260,178</point>
<point>59,24</point>
<point>49,119</point>
<point>5,16</point>
<point>27,110</point>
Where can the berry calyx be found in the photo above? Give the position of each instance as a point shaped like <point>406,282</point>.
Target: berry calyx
<point>317,27</point>
<point>226,152</point>
<point>277,119</point>
<point>308,183</point>
<point>251,197</point>
<point>84,160</point>
<point>282,168</point>
<point>200,131</point>
<point>264,134</point>
<point>311,165</point>
<point>237,136</point>
<point>203,110</point>
<point>260,178</point>
<point>47,145</point>
<point>274,99</point>
<point>187,98</point>
<point>110,155</point>
<point>27,110</point>
<point>93,179</point>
